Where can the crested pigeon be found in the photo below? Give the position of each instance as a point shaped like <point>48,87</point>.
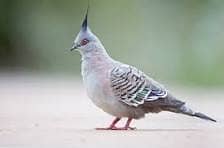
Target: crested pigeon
<point>119,89</point>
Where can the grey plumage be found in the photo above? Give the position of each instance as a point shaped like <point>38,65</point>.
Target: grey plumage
<point>134,88</point>
<point>119,89</point>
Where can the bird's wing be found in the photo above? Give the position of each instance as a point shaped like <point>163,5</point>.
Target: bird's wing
<point>133,87</point>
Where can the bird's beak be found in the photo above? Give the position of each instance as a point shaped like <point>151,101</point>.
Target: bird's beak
<point>74,46</point>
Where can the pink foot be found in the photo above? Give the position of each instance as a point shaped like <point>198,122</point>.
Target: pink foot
<point>113,127</point>
<point>117,128</point>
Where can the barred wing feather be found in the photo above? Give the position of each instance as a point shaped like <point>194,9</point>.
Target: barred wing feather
<point>133,87</point>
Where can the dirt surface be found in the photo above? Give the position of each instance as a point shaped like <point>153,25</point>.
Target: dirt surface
<point>56,113</point>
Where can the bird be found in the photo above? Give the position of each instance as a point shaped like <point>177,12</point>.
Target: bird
<point>119,89</point>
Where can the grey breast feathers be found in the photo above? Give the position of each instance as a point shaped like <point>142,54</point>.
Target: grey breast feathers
<point>133,87</point>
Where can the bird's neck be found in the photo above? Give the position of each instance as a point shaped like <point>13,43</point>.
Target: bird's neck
<point>94,54</point>
<point>94,61</point>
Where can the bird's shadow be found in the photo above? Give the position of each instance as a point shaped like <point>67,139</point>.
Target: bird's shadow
<point>144,130</point>
<point>165,130</point>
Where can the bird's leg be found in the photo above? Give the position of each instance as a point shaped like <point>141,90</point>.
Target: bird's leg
<point>112,125</point>
<point>127,125</point>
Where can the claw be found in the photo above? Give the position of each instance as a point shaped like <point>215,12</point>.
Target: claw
<point>113,127</point>
<point>117,128</point>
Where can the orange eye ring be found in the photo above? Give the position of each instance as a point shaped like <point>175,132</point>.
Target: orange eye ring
<point>84,42</point>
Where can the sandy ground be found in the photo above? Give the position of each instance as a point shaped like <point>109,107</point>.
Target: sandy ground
<point>54,112</point>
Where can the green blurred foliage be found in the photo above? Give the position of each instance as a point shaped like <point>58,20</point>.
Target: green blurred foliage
<point>176,40</point>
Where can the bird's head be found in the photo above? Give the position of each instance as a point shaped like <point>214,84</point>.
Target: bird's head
<point>85,41</point>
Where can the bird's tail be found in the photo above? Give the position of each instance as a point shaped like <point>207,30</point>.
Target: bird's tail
<point>184,109</point>
<point>172,104</point>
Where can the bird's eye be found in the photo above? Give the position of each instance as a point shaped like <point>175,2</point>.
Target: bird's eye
<point>84,42</point>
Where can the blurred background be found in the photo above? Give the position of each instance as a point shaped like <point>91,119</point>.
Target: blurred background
<point>178,41</point>
<point>43,102</point>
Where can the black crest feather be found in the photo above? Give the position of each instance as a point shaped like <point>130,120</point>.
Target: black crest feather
<point>85,21</point>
